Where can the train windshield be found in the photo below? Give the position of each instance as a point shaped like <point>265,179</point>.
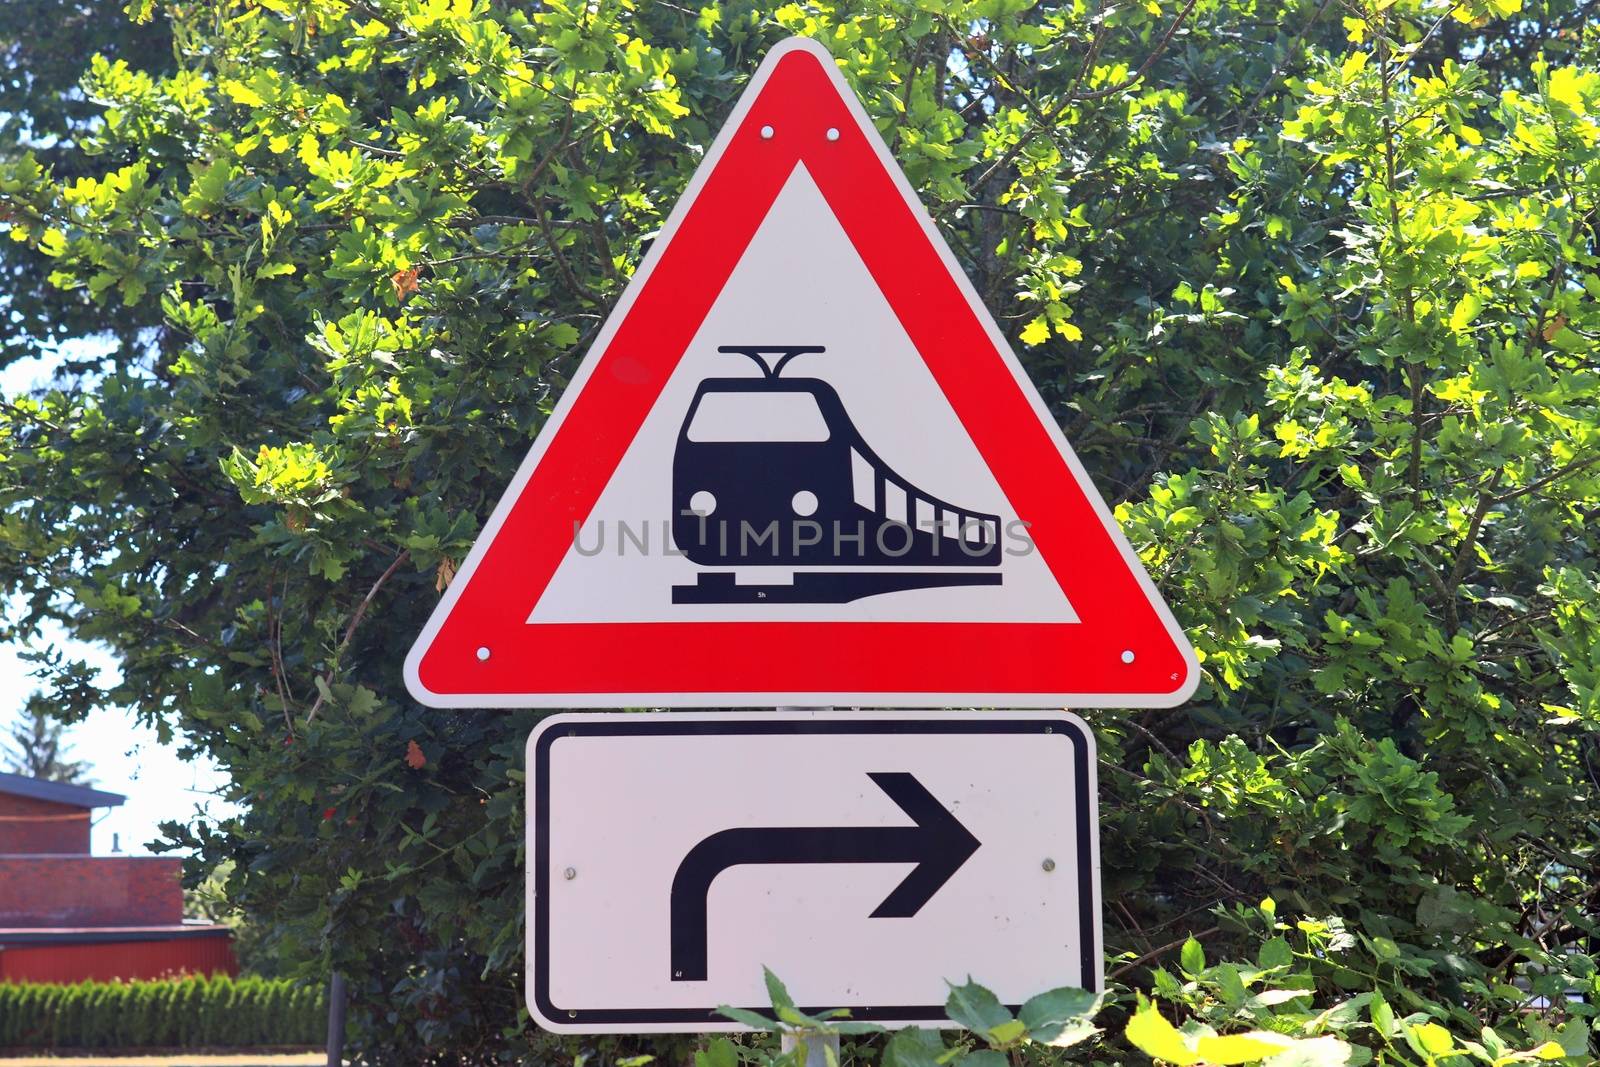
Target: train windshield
<point>752,416</point>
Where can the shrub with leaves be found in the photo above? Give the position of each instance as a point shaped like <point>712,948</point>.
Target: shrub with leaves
<point>1274,997</point>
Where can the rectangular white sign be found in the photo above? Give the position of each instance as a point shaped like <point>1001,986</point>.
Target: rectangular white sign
<point>864,857</point>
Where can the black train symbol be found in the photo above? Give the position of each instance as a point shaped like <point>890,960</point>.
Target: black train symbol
<point>771,472</point>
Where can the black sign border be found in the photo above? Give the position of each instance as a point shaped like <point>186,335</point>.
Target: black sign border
<point>618,725</point>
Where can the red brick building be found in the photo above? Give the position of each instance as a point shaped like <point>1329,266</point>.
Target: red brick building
<point>66,915</point>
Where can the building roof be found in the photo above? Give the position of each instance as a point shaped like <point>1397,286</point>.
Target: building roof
<point>107,935</point>
<point>77,796</point>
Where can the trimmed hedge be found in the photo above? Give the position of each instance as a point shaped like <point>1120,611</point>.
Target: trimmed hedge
<point>190,1012</point>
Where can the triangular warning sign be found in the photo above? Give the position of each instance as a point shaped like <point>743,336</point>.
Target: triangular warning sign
<point>800,466</point>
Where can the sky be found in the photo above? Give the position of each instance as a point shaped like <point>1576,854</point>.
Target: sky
<point>123,757</point>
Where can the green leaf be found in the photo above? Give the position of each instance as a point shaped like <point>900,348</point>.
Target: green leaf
<point>1275,953</point>
<point>719,1053</point>
<point>777,991</point>
<point>1249,1047</point>
<point>1156,1037</point>
<point>913,1047</point>
<point>1315,1052</point>
<point>1048,1016</point>
<point>1192,957</point>
<point>240,93</point>
<point>1429,1039</point>
<point>797,1018</point>
<point>1150,1033</point>
<point>850,1026</point>
<point>1465,311</point>
<point>754,1020</point>
<point>1574,1037</point>
<point>1006,1032</point>
<point>1382,1016</point>
<point>363,701</point>
<point>975,1007</point>
<point>1072,1033</point>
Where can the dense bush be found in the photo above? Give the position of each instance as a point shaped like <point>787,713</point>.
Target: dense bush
<point>1312,288</point>
<point>1274,996</point>
<point>191,1012</point>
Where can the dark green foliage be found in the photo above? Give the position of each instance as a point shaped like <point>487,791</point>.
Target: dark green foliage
<point>45,47</point>
<point>191,1012</point>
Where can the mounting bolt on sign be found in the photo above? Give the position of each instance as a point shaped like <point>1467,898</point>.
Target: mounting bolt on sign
<point>800,466</point>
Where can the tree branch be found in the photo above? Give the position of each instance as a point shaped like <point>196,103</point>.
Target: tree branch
<point>350,631</point>
<point>1153,953</point>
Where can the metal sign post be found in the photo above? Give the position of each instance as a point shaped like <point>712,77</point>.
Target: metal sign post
<point>337,994</point>
<point>817,1049</point>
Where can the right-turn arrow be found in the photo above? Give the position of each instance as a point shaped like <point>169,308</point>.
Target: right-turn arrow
<point>936,842</point>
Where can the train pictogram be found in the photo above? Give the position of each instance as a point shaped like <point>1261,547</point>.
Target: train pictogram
<point>771,472</point>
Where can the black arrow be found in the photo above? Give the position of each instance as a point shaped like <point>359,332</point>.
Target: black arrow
<point>937,843</point>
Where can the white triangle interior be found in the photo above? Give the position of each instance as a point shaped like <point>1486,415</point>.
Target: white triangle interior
<point>800,282</point>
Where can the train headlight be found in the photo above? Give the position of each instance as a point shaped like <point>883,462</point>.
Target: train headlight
<point>804,503</point>
<point>703,503</point>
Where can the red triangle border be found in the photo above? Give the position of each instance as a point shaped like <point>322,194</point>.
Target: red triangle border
<point>479,650</point>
